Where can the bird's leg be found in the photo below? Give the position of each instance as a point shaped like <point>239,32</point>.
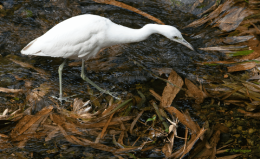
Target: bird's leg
<point>84,77</point>
<point>60,77</point>
<point>60,82</point>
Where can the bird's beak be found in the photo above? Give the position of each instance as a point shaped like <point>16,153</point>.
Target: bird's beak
<point>184,42</point>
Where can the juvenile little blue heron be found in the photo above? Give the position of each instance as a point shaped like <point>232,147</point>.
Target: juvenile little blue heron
<point>81,37</point>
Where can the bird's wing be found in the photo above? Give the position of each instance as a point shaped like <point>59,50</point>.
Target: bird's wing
<point>73,38</point>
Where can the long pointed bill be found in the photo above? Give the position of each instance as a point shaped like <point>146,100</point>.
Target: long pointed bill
<point>184,42</point>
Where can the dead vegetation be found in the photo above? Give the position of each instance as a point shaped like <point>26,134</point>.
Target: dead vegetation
<point>239,23</point>
<point>77,124</point>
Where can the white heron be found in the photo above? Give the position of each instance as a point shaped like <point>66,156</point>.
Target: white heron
<point>82,37</point>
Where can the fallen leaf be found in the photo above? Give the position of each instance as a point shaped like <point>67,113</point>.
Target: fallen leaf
<point>170,91</point>
<point>194,92</point>
<point>241,67</point>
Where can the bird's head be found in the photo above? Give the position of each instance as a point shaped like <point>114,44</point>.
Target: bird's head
<point>174,34</point>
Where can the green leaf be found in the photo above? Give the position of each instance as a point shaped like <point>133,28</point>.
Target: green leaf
<point>16,98</point>
<point>151,119</point>
<point>241,53</point>
<point>212,64</point>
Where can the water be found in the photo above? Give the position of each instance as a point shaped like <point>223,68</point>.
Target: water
<point>22,21</point>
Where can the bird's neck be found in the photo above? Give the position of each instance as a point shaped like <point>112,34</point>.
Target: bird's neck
<point>120,35</point>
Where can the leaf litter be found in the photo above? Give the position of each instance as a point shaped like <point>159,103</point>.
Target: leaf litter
<point>79,122</point>
<point>76,124</point>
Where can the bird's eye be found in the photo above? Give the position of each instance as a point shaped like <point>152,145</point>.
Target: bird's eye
<point>175,37</point>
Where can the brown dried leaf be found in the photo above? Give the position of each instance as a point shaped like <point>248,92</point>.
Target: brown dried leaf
<point>98,145</point>
<point>3,136</point>
<point>68,137</point>
<point>125,6</point>
<point>114,121</point>
<point>82,109</point>
<point>37,94</point>
<point>109,109</point>
<point>242,67</point>
<point>134,122</point>
<point>7,90</point>
<point>209,151</point>
<point>237,39</point>
<point>127,150</point>
<point>230,156</point>
<point>58,119</point>
<point>72,128</point>
<point>35,125</point>
<point>156,96</point>
<point>249,114</point>
<point>170,92</point>
<point>194,125</point>
<point>52,134</point>
<point>190,144</point>
<point>167,150</point>
<point>121,138</point>
<point>106,125</point>
<point>194,92</point>
<point>22,143</point>
<point>40,71</point>
<point>222,128</point>
<point>232,18</point>
<point>217,62</point>
<point>221,8</point>
<point>225,49</point>
<point>27,121</point>
<point>252,87</point>
<point>184,119</point>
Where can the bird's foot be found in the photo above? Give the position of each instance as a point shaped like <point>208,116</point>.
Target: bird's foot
<point>84,77</point>
<point>113,94</point>
<point>61,99</point>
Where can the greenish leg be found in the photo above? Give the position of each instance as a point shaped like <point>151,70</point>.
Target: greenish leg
<point>60,77</point>
<point>61,98</point>
<point>84,77</point>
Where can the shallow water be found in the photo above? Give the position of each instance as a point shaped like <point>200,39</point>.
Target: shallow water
<point>24,22</point>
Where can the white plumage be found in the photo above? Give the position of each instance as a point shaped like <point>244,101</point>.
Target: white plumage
<point>81,37</point>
